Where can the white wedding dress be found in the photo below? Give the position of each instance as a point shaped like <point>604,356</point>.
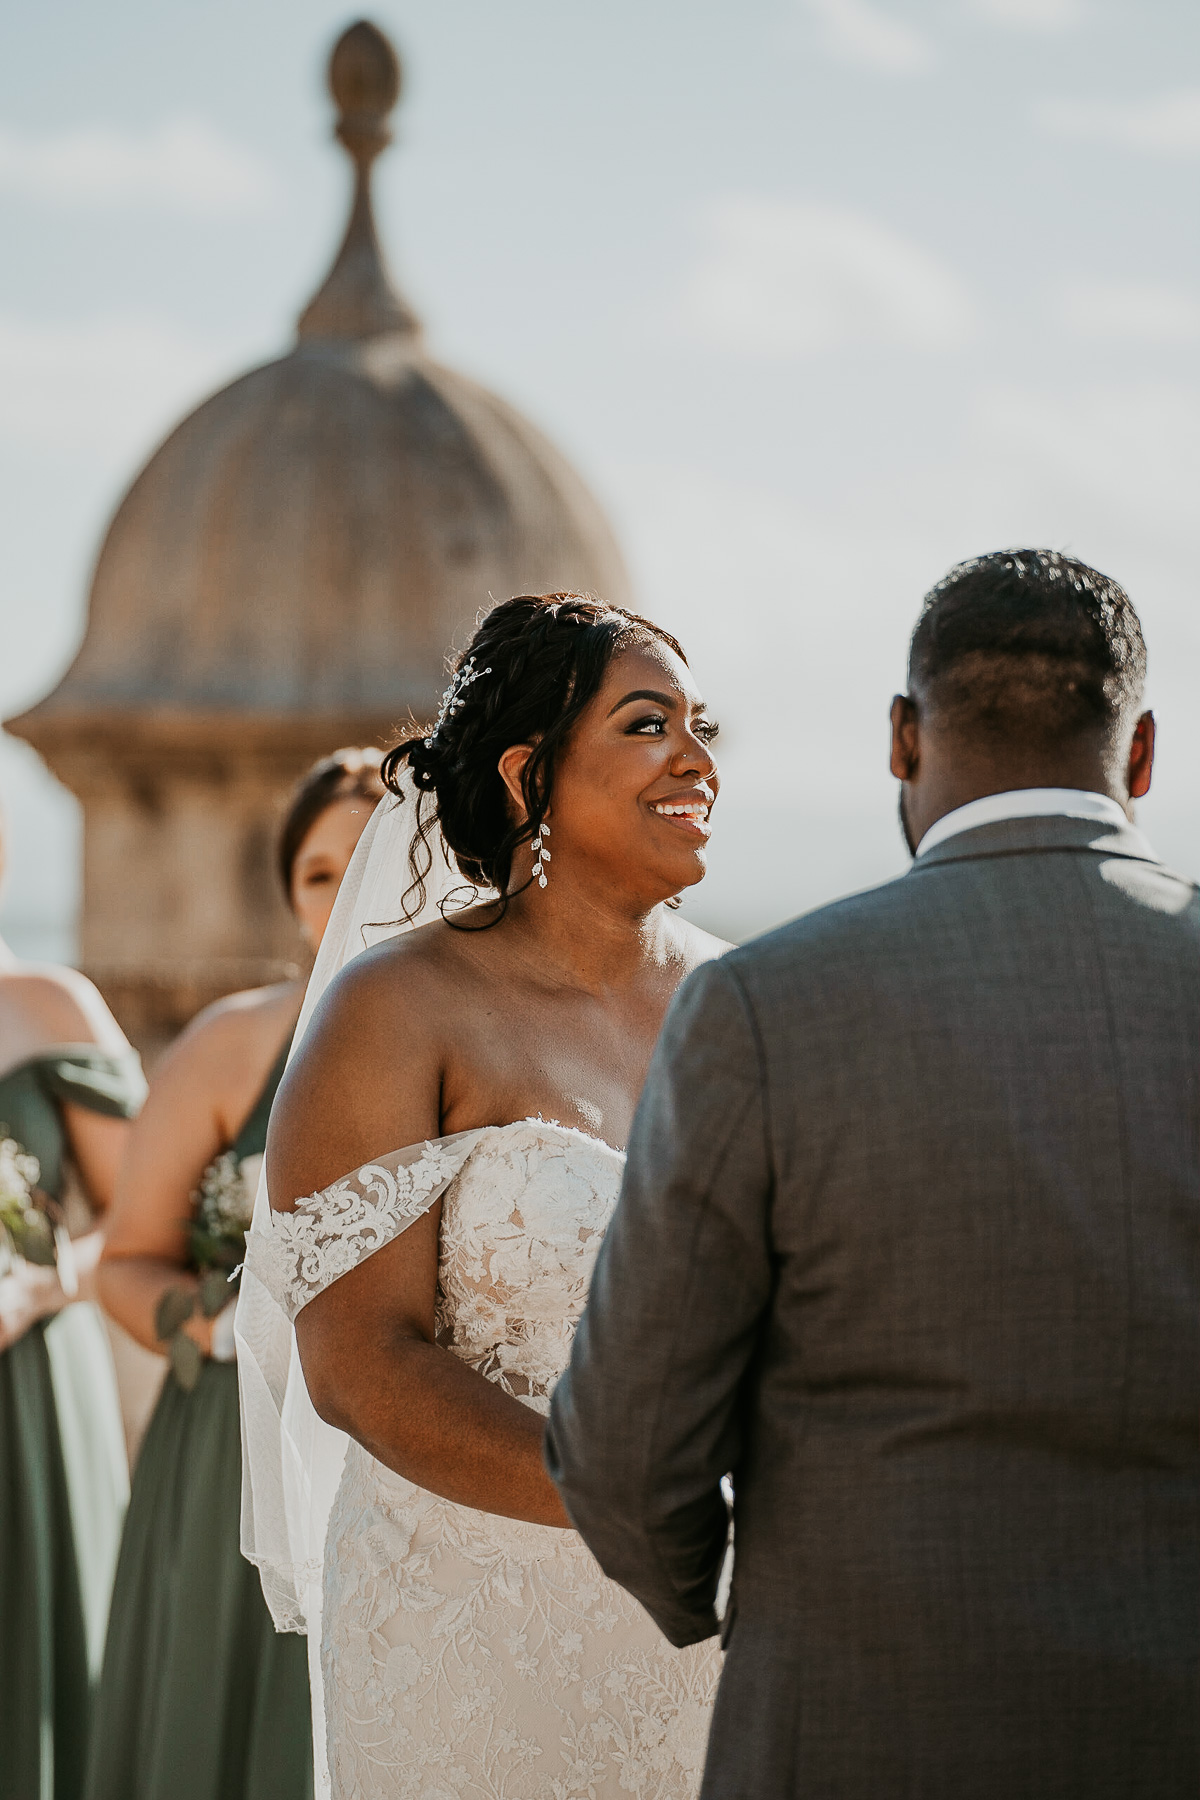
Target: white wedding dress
<point>466,1656</point>
<point>455,1654</point>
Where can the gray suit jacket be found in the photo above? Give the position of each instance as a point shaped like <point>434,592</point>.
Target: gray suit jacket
<point>910,1242</point>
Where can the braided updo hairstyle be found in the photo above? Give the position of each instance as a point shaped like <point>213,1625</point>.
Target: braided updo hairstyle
<point>531,668</point>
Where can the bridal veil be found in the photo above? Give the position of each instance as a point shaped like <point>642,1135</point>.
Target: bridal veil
<point>291,1460</point>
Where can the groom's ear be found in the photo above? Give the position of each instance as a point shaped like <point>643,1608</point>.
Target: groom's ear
<point>905,749</point>
<point>1141,757</point>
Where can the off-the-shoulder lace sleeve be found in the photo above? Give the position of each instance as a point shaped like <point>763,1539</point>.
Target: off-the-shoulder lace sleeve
<point>300,1253</point>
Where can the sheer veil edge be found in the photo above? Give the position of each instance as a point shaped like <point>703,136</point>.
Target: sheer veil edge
<point>291,1460</point>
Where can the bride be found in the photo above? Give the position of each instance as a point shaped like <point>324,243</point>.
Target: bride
<point>443,1159</point>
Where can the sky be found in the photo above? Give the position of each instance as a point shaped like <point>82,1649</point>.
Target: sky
<point>819,295</point>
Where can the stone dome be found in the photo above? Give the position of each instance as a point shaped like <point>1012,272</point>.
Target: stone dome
<point>284,576</point>
<point>312,538</point>
<point>308,543</point>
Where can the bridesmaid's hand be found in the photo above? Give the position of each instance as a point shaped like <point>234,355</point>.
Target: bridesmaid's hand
<point>28,1293</point>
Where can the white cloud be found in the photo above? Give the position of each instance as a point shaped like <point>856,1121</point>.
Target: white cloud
<point>183,165</point>
<point>107,385</point>
<point>1030,15</point>
<point>1132,310</point>
<point>859,32</point>
<point>1162,125</point>
<point>782,278</point>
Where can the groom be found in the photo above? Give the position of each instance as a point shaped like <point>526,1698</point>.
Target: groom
<point>908,1244</point>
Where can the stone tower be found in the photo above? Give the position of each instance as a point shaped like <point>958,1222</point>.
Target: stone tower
<point>286,575</point>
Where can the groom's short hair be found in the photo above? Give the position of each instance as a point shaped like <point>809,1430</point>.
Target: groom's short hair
<point>1028,643</point>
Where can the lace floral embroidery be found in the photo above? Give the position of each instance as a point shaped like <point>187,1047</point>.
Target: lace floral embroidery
<point>332,1231</point>
<point>472,1657</point>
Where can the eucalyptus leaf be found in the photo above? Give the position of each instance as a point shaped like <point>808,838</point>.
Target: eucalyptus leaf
<point>186,1361</point>
<point>173,1311</point>
<point>210,1250</point>
<point>215,1294</point>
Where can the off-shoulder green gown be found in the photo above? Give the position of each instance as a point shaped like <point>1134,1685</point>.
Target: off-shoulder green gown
<point>63,1476</point>
<point>200,1698</point>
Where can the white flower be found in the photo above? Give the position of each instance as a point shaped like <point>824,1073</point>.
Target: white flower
<point>24,1229</point>
<point>18,1173</point>
<point>687,1735</point>
<point>403,1669</point>
<point>224,1202</point>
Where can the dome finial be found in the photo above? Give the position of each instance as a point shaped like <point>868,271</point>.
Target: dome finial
<point>365,79</point>
<point>358,299</point>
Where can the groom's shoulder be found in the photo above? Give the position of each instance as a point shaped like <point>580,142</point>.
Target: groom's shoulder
<point>849,928</point>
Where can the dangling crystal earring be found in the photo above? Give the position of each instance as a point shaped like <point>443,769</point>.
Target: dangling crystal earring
<point>540,853</point>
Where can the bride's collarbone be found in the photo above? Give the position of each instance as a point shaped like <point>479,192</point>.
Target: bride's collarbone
<point>504,1072</point>
<point>595,1102</point>
<point>502,1047</point>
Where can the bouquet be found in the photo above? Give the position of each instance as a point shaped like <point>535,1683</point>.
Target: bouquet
<point>216,1241</point>
<point>32,1224</point>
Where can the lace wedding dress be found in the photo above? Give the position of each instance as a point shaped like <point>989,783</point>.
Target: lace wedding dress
<point>466,1656</point>
<point>459,1655</point>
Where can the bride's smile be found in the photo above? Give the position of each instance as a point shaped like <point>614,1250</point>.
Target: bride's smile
<point>688,812</point>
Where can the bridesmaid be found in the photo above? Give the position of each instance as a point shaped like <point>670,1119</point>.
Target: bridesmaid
<point>200,1699</point>
<point>69,1083</point>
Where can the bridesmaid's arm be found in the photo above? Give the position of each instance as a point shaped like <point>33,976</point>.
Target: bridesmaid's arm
<point>98,1144</point>
<point>202,1092</point>
<point>60,1006</point>
<point>70,1010</point>
<point>174,1138</point>
<point>368,1080</point>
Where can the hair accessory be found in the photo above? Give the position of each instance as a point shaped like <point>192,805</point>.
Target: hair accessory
<point>540,853</point>
<point>453,697</point>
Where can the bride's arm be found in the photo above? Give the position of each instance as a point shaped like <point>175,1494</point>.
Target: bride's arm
<point>374,1371</point>
<point>367,1081</point>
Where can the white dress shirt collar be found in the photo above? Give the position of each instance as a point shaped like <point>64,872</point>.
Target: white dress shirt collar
<point>1028,803</point>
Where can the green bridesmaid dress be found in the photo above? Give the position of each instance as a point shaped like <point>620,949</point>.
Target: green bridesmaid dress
<point>63,1476</point>
<point>200,1698</point>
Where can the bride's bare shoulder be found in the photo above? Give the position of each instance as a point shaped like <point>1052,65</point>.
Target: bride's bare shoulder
<point>367,1078</point>
<point>415,977</point>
